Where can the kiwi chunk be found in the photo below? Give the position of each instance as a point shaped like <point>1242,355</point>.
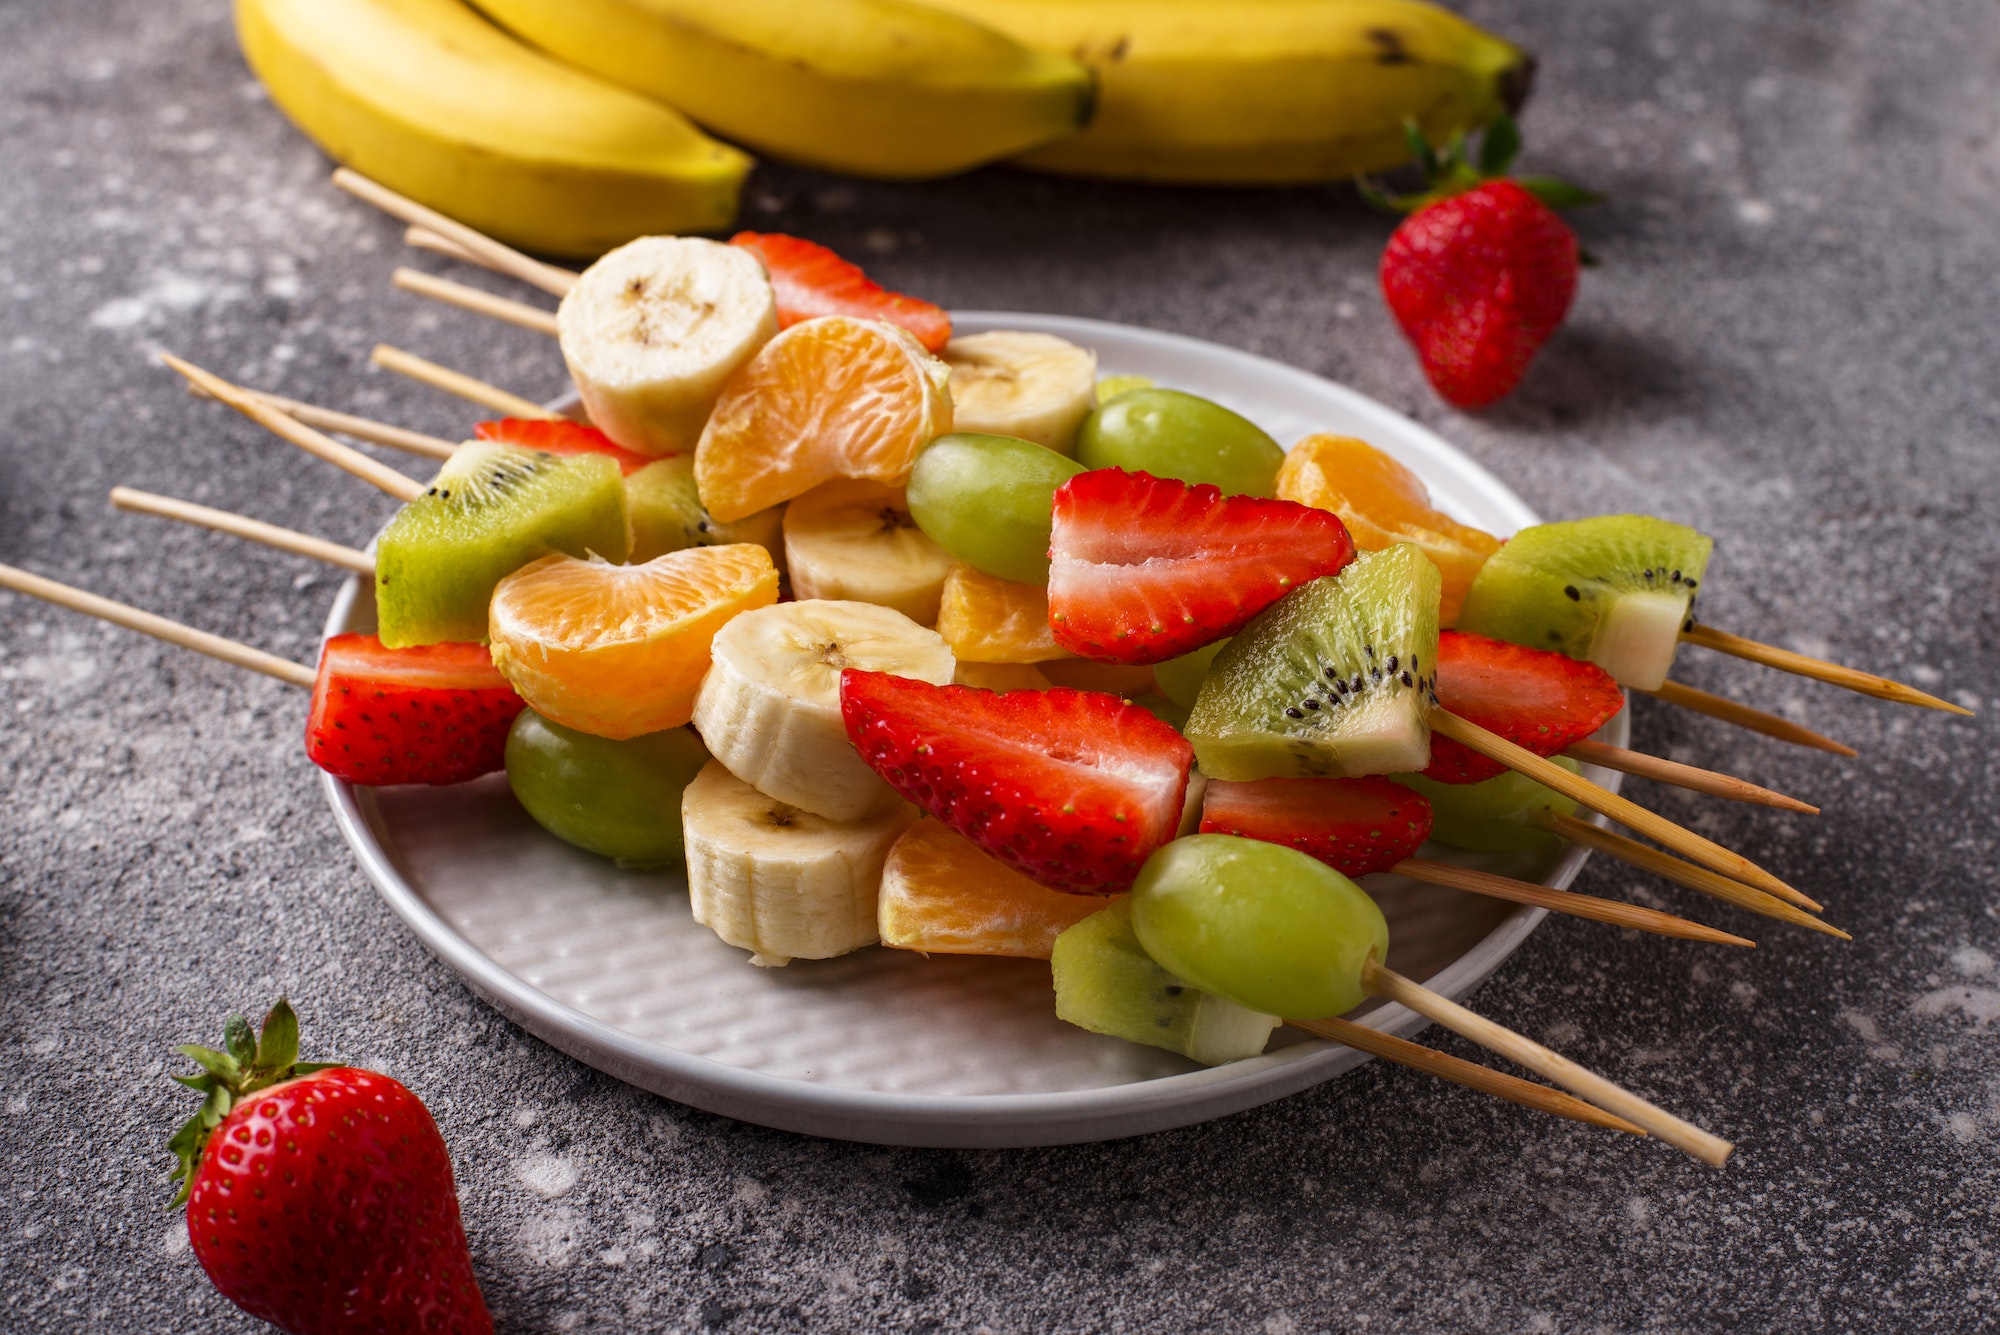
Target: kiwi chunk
<point>1108,984</point>
<point>1616,590</point>
<point>1335,678</point>
<point>1496,815</point>
<point>492,509</point>
<point>667,515</point>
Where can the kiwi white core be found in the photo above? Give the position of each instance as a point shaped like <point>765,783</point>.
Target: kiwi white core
<point>1637,635</point>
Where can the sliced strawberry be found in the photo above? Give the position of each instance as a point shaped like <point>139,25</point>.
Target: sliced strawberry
<point>1355,826</point>
<point>810,280</point>
<point>560,438</point>
<point>1143,569</point>
<point>1533,697</point>
<point>436,714</point>
<point>1073,788</point>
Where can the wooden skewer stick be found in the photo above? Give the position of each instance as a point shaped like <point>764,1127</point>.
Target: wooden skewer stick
<point>478,302</point>
<point>1743,716</point>
<point>403,487</point>
<point>1662,770</point>
<point>347,424</point>
<point>148,623</point>
<point>460,384</point>
<point>420,237</point>
<point>254,530</point>
<point>1390,985</point>
<point>504,258</point>
<point>1626,812</point>
<point>1562,901</point>
<point>1647,858</point>
<point>1459,1071</point>
<point>1804,665</point>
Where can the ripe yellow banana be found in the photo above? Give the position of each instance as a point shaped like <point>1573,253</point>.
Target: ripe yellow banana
<point>1219,92</point>
<point>887,88</point>
<point>430,99</point>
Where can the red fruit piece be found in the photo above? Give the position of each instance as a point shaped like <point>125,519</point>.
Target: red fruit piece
<point>1355,826</point>
<point>560,438</point>
<point>1478,282</point>
<point>809,280</point>
<point>435,714</point>
<point>320,1198</point>
<point>1072,788</point>
<point>1532,697</point>
<point>1143,569</point>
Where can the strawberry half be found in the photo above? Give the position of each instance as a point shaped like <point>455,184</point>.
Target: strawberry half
<point>1355,826</point>
<point>809,280</point>
<point>435,714</point>
<point>1072,788</point>
<point>1143,569</point>
<point>1534,698</point>
<point>560,438</point>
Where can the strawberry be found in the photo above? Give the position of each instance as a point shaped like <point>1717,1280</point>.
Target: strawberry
<point>809,280</point>
<point>436,714</point>
<point>319,1197</point>
<point>1355,826</point>
<point>1072,788</point>
<point>1534,698</point>
<point>560,438</point>
<point>1143,569</point>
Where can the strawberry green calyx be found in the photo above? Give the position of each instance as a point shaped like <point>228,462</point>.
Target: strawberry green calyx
<point>248,1063</point>
<point>1456,167</point>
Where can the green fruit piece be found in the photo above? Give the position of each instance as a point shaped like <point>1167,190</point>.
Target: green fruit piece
<point>1335,678</point>
<point>1110,387</point>
<point>667,515</point>
<point>1494,815</point>
<point>1266,926</point>
<point>1180,678</point>
<point>1615,590</point>
<point>618,799</point>
<point>1171,434</point>
<point>491,509</point>
<point>1108,984</point>
<point>988,501</point>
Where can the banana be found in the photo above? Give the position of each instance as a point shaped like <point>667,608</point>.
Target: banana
<point>430,99</point>
<point>852,538</point>
<point>1012,383</point>
<point>779,882</point>
<point>769,708</point>
<point>1241,92</point>
<point>652,330</point>
<point>887,88</point>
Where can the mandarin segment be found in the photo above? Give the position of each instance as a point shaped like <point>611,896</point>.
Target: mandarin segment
<point>988,620</point>
<point>943,895</point>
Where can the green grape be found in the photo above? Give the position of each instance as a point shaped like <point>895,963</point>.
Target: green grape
<point>1492,816</point>
<point>1171,434</point>
<point>1180,678</point>
<point>1263,925</point>
<point>618,799</point>
<point>988,501</point>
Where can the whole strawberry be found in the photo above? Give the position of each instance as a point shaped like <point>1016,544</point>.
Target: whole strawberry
<point>1482,271</point>
<point>319,1197</point>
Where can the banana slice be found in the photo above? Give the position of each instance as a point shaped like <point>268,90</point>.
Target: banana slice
<point>652,330</point>
<point>779,882</point>
<point>769,708</point>
<point>1011,383</point>
<point>855,539</point>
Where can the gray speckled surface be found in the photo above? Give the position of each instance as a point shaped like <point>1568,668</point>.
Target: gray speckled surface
<point>1790,345</point>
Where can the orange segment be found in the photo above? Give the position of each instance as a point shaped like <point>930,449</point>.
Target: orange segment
<point>989,620</point>
<point>827,398</point>
<point>1384,503</point>
<point>620,650</point>
<point>942,895</point>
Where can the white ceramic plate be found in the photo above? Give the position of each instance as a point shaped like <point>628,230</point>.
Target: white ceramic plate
<point>888,1046</point>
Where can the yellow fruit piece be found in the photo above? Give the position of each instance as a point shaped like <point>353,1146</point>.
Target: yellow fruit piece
<point>1002,677</point>
<point>990,620</point>
<point>827,398</point>
<point>1383,503</point>
<point>621,650</point>
<point>944,896</point>
<point>1119,679</point>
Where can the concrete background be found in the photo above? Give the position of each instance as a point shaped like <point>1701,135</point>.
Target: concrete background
<point>1790,345</point>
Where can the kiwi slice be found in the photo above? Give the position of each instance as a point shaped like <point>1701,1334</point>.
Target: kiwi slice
<point>1335,678</point>
<point>1108,984</point>
<point>667,514</point>
<point>1494,815</point>
<point>491,509</point>
<point>1616,590</point>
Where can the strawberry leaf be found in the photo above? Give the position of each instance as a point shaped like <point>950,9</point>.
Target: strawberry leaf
<point>278,1046</point>
<point>1558,194</point>
<point>241,1041</point>
<point>1499,146</point>
<point>218,1064</point>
